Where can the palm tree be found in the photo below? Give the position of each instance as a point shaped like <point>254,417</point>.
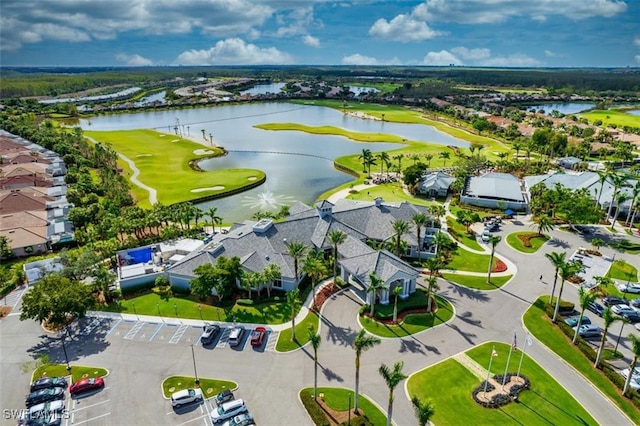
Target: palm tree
<point>293,303</point>
<point>214,218</point>
<point>544,223</point>
<point>362,343</point>
<point>445,155</point>
<point>428,157</point>
<point>271,273</point>
<point>493,240</point>
<point>557,260</point>
<point>603,176</point>
<point>567,270</point>
<point>635,350</point>
<point>618,181</point>
<point>586,298</point>
<point>432,286</point>
<point>399,158</point>
<point>609,318</point>
<point>597,243</point>
<point>314,267</point>
<point>517,146</point>
<point>197,214</point>
<point>336,238</point>
<point>620,199</point>
<point>423,410</point>
<point>419,219</point>
<point>314,339</point>
<point>375,285</point>
<point>397,291</point>
<point>296,250</point>
<point>400,228</point>
<point>635,192</point>
<point>365,157</point>
<point>384,158</point>
<point>392,378</point>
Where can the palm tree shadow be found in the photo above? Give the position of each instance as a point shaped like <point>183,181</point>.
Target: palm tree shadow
<point>555,242</point>
<point>469,293</point>
<point>466,336</point>
<point>467,317</point>
<point>340,335</point>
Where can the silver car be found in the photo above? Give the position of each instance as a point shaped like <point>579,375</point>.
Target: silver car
<point>186,396</point>
<point>228,410</point>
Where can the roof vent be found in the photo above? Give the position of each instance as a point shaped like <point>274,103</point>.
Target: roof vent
<point>262,226</point>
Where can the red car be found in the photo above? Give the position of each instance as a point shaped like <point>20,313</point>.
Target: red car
<point>85,385</point>
<point>257,336</point>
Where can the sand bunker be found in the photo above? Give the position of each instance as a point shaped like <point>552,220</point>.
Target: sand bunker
<point>252,178</point>
<point>211,188</point>
<point>144,155</point>
<point>202,152</point>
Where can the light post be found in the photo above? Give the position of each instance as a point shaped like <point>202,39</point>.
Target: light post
<point>200,309</point>
<point>195,371</point>
<point>64,349</point>
<point>175,307</point>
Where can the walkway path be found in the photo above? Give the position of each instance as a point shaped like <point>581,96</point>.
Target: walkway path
<point>344,193</point>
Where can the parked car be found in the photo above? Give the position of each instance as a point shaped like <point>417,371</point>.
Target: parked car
<point>629,288</point>
<point>50,419</point>
<point>49,382</point>
<point>634,383</point>
<point>245,419</point>
<point>584,230</point>
<point>228,410</point>
<point>589,330</point>
<point>492,226</point>
<point>209,333</point>
<point>635,302</point>
<point>612,301</point>
<point>622,309</point>
<point>186,396</point>
<point>596,308</point>
<point>257,336</point>
<point>46,408</point>
<point>235,335</point>
<point>224,396</point>
<point>85,385</point>
<point>485,235</point>
<point>632,317</point>
<point>43,395</point>
<point>625,372</point>
<point>573,321</point>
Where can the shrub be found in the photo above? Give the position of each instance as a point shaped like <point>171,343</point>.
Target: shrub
<point>315,411</point>
<point>245,302</point>
<point>358,421</point>
<point>181,290</point>
<point>137,287</point>
<point>161,281</point>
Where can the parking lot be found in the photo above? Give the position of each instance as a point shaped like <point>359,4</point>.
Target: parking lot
<point>195,413</point>
<point>92,408</point>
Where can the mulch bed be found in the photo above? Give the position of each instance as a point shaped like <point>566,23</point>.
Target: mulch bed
<point>5,310</point>
<point>525,239</point>
<point>500,266</point>
<point>333,416</point>
<point>323,295</point>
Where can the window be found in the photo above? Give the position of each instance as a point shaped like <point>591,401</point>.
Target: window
<point>277,283</point>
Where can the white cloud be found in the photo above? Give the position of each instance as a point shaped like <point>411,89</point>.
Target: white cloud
<point>515,60</point>
<point>494,11</point>
<point>233,51</point>
<point>441,58</point>
<point>637,41</point>
<point>134,60</point>
<point>472,54</point>
<point>402,28</point>
<point>549,53</point>
<point>477,57</point>
<point>358,59</point>
<point>638,59</point>
<point>311,41</point>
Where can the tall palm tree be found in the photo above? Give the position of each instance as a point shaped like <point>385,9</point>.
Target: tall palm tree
<point>419,220</point>
<point>375,285</point>
<point>635,350</point>
<point>444,155</point>
<point>635,193</point>
<point>400,227</point>
<point>315,268</point>
<point>271,273</point>
<point>197,214</point>
<point>428,157</point>
<point>214,218</point>
<point>557,260</point>
<point>384,158</point>
<point>362,343</point>
<point>609,318</point>
<point>493,240</point>
<point>423,410</point>
<point>567,270</point>
<point>397,291</point>
<point>314,339</point>
<point>293,305</point>
<point>586,298</point>
<point>392,378</point>
<point>432,286</point>
<point>296,250</point>
<point>336,238</point>
<point>620,200</point>
<point>517,146</point>
<point>365,157</point>
<point>618,181</point>
<point>399,158</point>
<point>603,176</point>
<point>544,223</point>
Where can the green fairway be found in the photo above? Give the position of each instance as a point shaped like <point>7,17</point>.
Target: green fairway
<point>611,116</point>
<point>449,385</point>
<point>479,283</point>
<point>536,241</point>
<point>164,164</point>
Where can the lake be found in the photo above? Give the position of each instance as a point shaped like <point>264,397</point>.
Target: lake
<point>299,166</point>
<point>564,108</point>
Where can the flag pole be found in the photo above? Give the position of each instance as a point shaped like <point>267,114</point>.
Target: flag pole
<point>524,349</point>
<point>506,369</point>
<point>486,382</point>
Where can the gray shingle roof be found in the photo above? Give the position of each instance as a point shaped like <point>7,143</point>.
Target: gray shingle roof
<point>501,186</point>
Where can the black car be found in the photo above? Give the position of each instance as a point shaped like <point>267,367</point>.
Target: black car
<point>596,308</point>
<point>209,334</point>
<point>44,395</point>
<point>632,317</point>
<point>49,382</point>
<point>48,420</point>
<point>224,396</point>
<point>612,301</point>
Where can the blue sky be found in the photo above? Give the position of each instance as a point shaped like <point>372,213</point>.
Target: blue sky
<point>512,33</point>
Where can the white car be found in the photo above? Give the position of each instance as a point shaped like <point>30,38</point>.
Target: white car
<point>485,235</point>
<point>622,309</point>
<point>245,419</point>
<point>228,410</point>
<point>636,373</point>
<point>589,330</point>
<point>186,396</point>
<point>629,288</point>
<point>235,335</point>
<point>41,410</point>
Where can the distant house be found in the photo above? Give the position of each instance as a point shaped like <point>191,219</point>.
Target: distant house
<point>258,244</point>
<point>494,190</point>
<point>570,163</point>
<point>435,184</point>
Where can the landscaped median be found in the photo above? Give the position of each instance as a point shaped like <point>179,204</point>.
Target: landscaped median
<point>539,324</point>
<point>477,282</point>
<point>449,384</point>
<point>334,404</point>
<point>526,242</point>
<point>77,372</point>
<point>210,387</point>
<point>285,344</point>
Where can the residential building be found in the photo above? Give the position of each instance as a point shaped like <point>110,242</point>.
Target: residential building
<point>435,184</point>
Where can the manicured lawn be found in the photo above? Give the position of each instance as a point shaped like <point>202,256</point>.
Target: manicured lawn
<point>610,116</point>
<point>190,307</point>
<point>412,323</point>
<point>164,165</point>
<point>545,403</point>
<point>391,192</point>
<point>210,387</point>
<point>479,283</point>
<point>285,344</point>
<point>338,399</point>
<point>465,260</point>
<point>60,370</point>
<point>540,325</point>
<point>459,232</point>
<point>536,242</point>
<point>623,271</point>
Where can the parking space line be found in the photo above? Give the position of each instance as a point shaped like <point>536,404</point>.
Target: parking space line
<point>178,334</point>
<point>134,330</point>
<point>193,420</point>
<point>75,410</point>
<point>273,339</point>
<point>92,419</point>
<point>88,329</point>
<point>118,321</point>
<point>156,332</point>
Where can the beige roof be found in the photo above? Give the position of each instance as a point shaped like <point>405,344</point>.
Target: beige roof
<point>23,237</point>
<point>23,169</point>
<point>26,219</point>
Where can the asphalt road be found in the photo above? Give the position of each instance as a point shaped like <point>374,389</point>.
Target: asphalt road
<point>269,382</point>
